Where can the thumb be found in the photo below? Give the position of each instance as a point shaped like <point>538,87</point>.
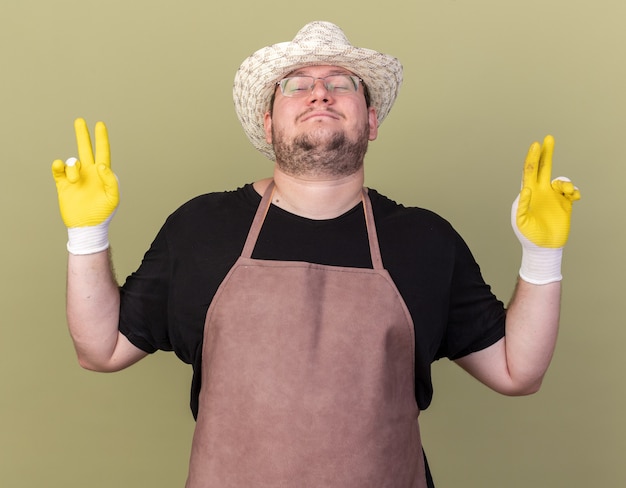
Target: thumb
<point>110,183</point>
<point>523,204</point>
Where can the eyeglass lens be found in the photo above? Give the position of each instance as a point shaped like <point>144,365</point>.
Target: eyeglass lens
<point>302,85</point>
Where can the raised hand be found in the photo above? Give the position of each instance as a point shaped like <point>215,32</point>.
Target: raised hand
<point>541,215</point>
<point>88,191</point>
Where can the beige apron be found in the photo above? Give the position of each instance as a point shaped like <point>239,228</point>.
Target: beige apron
<point>307,377</point>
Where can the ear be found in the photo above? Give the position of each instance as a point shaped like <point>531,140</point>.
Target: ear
<point>373,120</point>
<point>267,125</point>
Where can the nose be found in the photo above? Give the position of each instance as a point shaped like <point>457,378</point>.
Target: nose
<point>320,92</point>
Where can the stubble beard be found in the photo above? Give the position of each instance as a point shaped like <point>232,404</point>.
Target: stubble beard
<point>321,154</point>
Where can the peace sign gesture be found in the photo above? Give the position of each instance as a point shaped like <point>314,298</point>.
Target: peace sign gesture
<point>544,208</point>
<point>541,215</point>
<point>88,190</point>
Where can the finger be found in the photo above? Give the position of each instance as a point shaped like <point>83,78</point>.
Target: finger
<point>531,166</point>
<point>103,150</point>
<point>545,160</point>
<point>562,185</point>
<point>574,196</point>
<point>58,169</point>
<point>83,141</point>
<point>565,187</point>
<point>72,170</point>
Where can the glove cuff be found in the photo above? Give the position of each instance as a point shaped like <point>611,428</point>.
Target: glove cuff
<point>88,240</point>
<point>541,265</point>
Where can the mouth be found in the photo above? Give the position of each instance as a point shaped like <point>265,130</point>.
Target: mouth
<point>316,114</point>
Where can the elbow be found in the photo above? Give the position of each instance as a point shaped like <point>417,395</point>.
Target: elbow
<point>526,388</point>
<point>90,365</point>
<point>85,363</point>
<point>532,388</point>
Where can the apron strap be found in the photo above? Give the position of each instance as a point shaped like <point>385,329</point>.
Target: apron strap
<point>263,208</point>
<point>257,223</point>
<point>372,236</point>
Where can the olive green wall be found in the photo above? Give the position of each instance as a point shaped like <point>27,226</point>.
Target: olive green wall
<point>483,79</point>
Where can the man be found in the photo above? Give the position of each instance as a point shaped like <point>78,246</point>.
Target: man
<point>311,308</point>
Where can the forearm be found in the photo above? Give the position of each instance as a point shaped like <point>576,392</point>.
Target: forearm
<point>516,364</point>
<point>93,308</point>
<point>532,324</point>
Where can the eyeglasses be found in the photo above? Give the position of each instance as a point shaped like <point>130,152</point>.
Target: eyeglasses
<point>301,86</point>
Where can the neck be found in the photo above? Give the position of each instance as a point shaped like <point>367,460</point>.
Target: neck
<point>315,198</point>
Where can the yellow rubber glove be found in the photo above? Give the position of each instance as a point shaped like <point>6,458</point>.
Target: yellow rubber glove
<point>541,215</point>
<point>88,191</point>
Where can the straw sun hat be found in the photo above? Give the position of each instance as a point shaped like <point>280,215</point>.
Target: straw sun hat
<point>317,43</point>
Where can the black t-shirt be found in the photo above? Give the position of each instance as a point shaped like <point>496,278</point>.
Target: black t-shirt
<point>164,303</point>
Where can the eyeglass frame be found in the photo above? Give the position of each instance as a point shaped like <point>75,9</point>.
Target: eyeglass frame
<point>356,80</point>
<point>366,93</point>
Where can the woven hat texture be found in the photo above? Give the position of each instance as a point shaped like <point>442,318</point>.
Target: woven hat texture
<point>317,43</point>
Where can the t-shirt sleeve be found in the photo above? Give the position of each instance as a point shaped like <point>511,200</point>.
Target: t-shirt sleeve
<point>144,299</point>
<point>476,317</point>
